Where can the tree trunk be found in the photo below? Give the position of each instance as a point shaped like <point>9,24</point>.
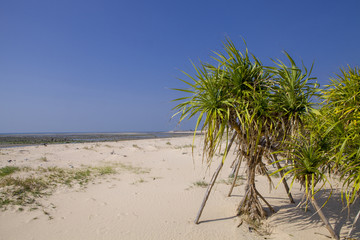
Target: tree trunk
<point>284,180</point>
<point>323,218</point>
<point>233,167</point>
<point>250,204</point>
<point>352,226</point>
<point>212,182</point>
<point>235,176</point>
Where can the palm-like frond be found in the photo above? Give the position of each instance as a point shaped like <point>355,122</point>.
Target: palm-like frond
<point>210,103</point>
<point>343,94</point>
<point>234,93</point>
<point>293,90</point>
<point>308,164</point>
<point>342,101</point>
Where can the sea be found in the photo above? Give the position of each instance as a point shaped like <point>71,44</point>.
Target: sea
<point>25,139</point>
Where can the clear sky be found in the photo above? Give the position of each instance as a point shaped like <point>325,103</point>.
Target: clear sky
<point>84,65</point>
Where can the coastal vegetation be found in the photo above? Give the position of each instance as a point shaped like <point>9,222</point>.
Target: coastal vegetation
<point>277,113</point>
<point>25,187</point>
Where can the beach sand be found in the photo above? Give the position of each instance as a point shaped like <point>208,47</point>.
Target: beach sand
<point>153,195</point>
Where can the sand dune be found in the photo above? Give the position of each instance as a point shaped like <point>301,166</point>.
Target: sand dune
<point>154,194</point>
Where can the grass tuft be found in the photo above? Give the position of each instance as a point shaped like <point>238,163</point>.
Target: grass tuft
<point>239,180</point>
<point>37,183</point>
<point>105,170</point>
<point>4,171</point>
<point>202,184</point>
<point>184,146</point>
<point>136,146</point>
<point>130,168</point>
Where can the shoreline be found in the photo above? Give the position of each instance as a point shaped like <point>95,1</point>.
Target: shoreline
<point>34,139</point>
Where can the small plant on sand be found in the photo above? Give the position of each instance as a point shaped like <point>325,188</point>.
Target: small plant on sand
<point>141,180</point>
<point>4,171</point>
<point>33,184</point>
<point>238,182</point>
<point>40,182</point>
<point>185,146</point>
<point>105,170</point>
<point>89,148</point>
<point>130,168</point>
<point>136,146</point>
<point>82,176</point>
<point>202,184</point>
<point>21,191</point>
<point>44,159</point>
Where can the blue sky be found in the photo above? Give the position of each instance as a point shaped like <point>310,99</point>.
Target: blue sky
<point>79,66</point>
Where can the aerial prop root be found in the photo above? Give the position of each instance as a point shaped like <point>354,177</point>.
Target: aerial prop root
<point>251,205</point>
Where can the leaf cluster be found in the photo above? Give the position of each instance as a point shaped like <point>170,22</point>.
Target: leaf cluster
<point>261,104</point>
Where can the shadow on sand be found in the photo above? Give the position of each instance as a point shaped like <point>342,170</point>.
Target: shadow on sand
<point>217,219</point>
<point>334,210</point>
<point>339,216</point>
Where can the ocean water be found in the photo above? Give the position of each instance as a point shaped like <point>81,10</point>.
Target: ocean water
<point>21,139</point>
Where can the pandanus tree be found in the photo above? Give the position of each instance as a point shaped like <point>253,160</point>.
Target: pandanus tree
<point>292,94</point>
<point>238,95</point>
<point>306,142</point>
<point>232,96</point>
<point>332,143</point>
<point>293,91</point>
<point>342,100</point>
<point>308,167</point>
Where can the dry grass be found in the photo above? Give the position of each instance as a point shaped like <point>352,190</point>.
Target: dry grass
<point>240,180</point>
<point>184,146</point>
<point>90,148</point>
<point>141,180</point>
<point>202,184</point>
<point>44,159</point>
<point>136,146</point>
<point>26,186</point>
<point>132,169</point>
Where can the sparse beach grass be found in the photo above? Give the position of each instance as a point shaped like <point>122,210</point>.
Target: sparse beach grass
<point>184,146</point>
<point>8,170</point>
<point>141,180</point>
<point>132,169</point>
<point>105,170</point>
<point>202,184</point>
<point>89,148</point>
<point>26,186</point>
<point>136,146</point>
<point>239,181</point>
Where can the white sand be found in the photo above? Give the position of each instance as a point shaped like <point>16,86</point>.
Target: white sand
<point>161,204</point>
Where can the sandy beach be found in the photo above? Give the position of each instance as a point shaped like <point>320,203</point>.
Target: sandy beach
<point>153,191</point>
